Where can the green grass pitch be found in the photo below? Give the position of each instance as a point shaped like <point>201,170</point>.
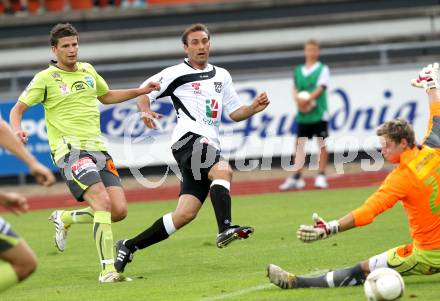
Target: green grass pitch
<point>188,266</point>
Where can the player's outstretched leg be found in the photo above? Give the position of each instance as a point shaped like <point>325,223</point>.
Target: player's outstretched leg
<point>280,277</point>
<point>343,277</point>
<point>60,237</point>
<point>63,219</point>
<point>123,256</point>
<point>158,231</point>
<point>233,233</point>
<point>221,201</point>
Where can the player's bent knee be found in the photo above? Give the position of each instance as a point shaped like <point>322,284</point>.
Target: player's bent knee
<point>184,218</point>
<point>25,268</point>
<point>119,214</point>
<point>98,198</point>
<point>102,204</point>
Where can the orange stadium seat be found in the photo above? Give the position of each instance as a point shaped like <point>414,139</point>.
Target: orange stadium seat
<point>155,2</point>
<point>33,6</point>
<point>54,5</point>
<point>81,4</point>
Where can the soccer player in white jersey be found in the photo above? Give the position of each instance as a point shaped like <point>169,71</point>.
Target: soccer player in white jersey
<point>199,92</point>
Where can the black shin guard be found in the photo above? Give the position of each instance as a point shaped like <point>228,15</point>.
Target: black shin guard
<point>344,277</point>
<point>152,235</point>
<point>221,201</point>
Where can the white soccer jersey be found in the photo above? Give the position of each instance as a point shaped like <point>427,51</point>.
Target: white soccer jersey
<point>198,96</point>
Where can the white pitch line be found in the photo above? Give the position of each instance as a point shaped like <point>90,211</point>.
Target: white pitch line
<point>239,293</point>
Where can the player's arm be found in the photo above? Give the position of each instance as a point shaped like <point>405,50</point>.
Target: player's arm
<point>428,79</point>
<point>315,94</point>
<point>322,83</point>
<point>117,96</point>
<point>15,118</point>
<point>148,116</point>
<point>7,139</point>
<point>392,190</point>
<point>14,202</point>
<point>244,112</point>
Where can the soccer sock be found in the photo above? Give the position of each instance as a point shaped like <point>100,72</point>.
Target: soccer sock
<point>297,176</point>
<point>343,277</point>
<point>81,216</point>
<point>102,233</point>
<point>8,277</point>
<point>221,201</point>
<point>160,230</point>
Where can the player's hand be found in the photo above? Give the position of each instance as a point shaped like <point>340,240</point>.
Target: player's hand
<point>319,230</point>
<point>306,106</point>
<point>42,174</point>
<point>428,78</point>
<point>260,102</point>
<point>149,117</point>
<point>14,202</point>
<point>150,87</point>
<point>22,136</point>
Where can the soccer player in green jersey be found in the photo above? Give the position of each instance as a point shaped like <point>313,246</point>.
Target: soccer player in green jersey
<point>17,260</point>
<point>69,92</point>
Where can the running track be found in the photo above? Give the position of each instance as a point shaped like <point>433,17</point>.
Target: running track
<point>363,179</point>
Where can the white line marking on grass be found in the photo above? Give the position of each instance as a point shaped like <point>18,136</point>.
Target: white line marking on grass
<point>239,293</point>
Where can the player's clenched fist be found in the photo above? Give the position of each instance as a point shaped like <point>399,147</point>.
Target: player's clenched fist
<point>150,87</point>
<point>260,102</point>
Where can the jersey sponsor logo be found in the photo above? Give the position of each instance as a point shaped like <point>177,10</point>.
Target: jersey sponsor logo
<point>196,87</point>
<point>424,163</point>
<point>212,108</point>
<point>111,167</point>
<point>64,90</point>
<point>83,165</point>
<point>78,86</point>
<point>89,80</point>
<point>56,76</point>
<point>218,87</point>
<point>212,117</point>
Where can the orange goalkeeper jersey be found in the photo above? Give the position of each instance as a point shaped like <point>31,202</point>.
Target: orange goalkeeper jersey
<point>415,182</point>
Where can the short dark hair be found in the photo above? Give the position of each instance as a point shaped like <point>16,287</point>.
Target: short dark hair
<point>61,30</point>
<point>312,42</point>
<point>396,130</point>
<point>194,28</point>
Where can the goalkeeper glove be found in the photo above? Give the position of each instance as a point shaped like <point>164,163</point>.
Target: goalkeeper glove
<point>319,230</point>
<point>428,78</point>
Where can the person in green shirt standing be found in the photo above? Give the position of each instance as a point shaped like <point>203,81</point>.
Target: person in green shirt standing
<point>310,93</point>
<point>69,92</point>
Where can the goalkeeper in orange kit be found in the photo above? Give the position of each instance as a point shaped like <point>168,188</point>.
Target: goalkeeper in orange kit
<point>414,182</point>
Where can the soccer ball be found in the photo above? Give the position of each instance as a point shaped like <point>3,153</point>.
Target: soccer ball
<point>303,95</point>
<point>384,284</point>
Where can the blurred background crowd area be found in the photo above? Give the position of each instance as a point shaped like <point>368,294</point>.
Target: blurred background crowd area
<point>25,7</point>
<point>249,37</point>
